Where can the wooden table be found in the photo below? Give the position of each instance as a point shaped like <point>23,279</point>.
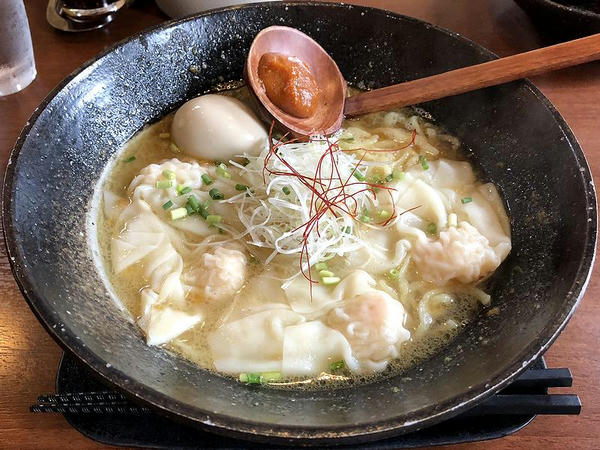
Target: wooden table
<point>29,357</point>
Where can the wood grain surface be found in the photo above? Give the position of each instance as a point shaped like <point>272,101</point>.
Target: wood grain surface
<point>29,357</point>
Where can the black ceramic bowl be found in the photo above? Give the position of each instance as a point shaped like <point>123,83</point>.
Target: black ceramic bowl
<point>512,134</point>
<point>564,19</point>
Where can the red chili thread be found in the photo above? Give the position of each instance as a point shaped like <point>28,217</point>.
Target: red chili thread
<point>321,185</point>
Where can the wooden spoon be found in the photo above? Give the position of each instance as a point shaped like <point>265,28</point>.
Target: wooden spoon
<point>330,112</point>
<point>335,105</point>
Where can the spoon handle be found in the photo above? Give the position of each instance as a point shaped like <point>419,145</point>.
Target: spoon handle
<point>475,77</point>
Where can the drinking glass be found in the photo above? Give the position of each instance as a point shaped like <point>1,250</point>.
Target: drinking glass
<point>17,66</point>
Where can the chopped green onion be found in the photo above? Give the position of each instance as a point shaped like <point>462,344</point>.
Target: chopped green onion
<point>393,274</point>
<point>389,178</point>
<point>130,159</point>
<point>241,187</point>
<point>252,378</point>
<point>211,219</point>
<point>398,174</point>
<point>466,200</point>
<point>348,230</point>
<point>326,273</point>
<point>329,281</point>
<point>431,228</point>
<point>206,179</point>
<point>164,184</point>
<point>215,194</point>
<point>167,205</point>
<point>169,174</point>
<point>286,190</point>
<point>364,218</point>
<point>270,376</point>
<point>193,202</point>
<point>424,163</point>
<point>174,148</point>
<point>222,171</point>
<point>385,214</point>
<point>359,176</point>
<point>338,365</point>
<point>321,266</point>
<point>203,210</point>
<point>164,135</point>
<point>185,190</point>
<point>178,213</point>
<point>259,378</point>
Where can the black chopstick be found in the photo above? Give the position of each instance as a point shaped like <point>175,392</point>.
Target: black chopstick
<point>526,404</point>
<point>111,402</point>
<point>539,378</point>
<point>90,409</point>
<point>69,397</point>
<point>516,404</point>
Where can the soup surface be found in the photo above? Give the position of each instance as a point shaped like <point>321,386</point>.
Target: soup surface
<point>298,263</point>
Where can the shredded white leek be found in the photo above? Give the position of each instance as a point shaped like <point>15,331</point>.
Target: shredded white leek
<point>276,220</point>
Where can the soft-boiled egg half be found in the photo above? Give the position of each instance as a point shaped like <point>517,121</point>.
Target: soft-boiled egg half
<point>217,127</point>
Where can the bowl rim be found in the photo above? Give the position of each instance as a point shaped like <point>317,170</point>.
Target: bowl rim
<point>259,431</point>
<point>570,10</point>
